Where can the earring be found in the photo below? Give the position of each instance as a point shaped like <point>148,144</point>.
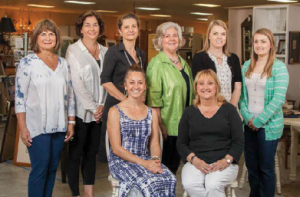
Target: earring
<point>125,93</point>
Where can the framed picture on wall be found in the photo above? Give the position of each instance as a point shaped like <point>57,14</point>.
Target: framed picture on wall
<point>110,43</point>
<point>281,47</point>
<point>294,41</point>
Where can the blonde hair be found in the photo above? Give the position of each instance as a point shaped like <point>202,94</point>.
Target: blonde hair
<point>206,74</point>
<point>272,54</point>
<point>161,31</point>
<point>207,42</point>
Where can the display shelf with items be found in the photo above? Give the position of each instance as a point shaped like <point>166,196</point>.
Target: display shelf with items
<point>246,30</point>
<point>280,19</point>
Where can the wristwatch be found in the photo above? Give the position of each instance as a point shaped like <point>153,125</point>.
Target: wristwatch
<point>228,160</point>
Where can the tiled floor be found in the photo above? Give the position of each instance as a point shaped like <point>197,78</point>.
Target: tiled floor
<point>13,181</point>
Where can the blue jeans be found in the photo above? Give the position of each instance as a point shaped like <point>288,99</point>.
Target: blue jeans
<point>260,161</point>
<point>44,156</point>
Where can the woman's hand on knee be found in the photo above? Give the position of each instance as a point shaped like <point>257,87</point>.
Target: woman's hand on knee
<point>153,166</point>
<point>219,165</point>
<point>202,165</point>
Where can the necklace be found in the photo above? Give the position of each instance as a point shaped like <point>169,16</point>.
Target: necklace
<point>256,82</point>
<point>95,52</point>
<point>175,61</point>
<point>207,110</point>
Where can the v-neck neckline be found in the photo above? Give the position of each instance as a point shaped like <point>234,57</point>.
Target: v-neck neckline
<point>209,118</point>
<point>57,67</point>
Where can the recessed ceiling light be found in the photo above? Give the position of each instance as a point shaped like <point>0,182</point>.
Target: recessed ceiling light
<point>147,8</point>
<point>80,2</point>
<point>106,11</point>
<point>202,19</point>
<point>284,1</point>
<point>207,5</point>
<point>160,15</point>
<point>202,14</point>
<point>40,6</point>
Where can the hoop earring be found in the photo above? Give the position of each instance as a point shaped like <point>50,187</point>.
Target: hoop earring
<point>126,93</point>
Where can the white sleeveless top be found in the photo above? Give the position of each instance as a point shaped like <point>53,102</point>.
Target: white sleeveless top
<point>256,93</point>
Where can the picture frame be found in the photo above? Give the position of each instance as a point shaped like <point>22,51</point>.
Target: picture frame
<point>294,49</point>
<point>21,155</point>
<point>7,149</point>
<point>281,47</point>
<point>2,70</point>
<point>110,43</point>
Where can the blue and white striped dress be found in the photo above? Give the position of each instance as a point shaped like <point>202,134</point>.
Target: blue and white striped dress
<point>135,136</point>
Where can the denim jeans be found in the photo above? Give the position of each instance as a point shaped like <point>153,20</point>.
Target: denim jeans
<point>260,161</point>
<point>44,156</point>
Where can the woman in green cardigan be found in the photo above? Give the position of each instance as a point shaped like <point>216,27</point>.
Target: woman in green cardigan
<point>265,81</point>
<point>170,88</point>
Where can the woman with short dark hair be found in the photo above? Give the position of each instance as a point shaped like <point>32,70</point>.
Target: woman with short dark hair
<point>45,107</point>
<point>86,58</point>
<point>117,60</point>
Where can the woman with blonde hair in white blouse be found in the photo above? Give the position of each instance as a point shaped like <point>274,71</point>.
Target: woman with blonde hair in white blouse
<point>44,106</point>
<point>86,58</point>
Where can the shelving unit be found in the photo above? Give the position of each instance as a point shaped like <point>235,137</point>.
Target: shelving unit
<point>280,19</point>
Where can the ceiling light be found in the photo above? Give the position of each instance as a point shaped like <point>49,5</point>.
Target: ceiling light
<point>160,15</point>
<point>284,1</point>
<point>147,8</point>
<point>80,2</point>
<point>202,19</point>
<point>40,6</point>
<point>106,11</point>
<point>202,14</point>
<point>207,5</point>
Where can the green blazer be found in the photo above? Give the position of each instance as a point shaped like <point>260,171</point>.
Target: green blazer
<point>166,89</point>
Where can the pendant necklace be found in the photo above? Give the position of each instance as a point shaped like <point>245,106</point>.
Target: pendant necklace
<point>175,61</point>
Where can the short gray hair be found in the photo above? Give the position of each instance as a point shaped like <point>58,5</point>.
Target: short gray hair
<point>160,33</point>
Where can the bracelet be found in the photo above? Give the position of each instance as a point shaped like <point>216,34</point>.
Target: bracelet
<point>72,122</point>
<point>192,158</point>
<point>155,158</point>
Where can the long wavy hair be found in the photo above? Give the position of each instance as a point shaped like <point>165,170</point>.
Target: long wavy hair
<point>272,54</point>
<point>207,42</point>
<point>207,74</point>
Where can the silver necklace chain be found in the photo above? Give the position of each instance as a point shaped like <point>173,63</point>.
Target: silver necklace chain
<point>130,61</point>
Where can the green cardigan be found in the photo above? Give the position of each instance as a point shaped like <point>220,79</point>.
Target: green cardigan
<point>166,89</point>
<point>275,91</point>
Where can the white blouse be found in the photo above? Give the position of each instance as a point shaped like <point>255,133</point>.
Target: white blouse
<point>256,93</point>
<point>85,73</point>
<point>46,96</point>
<point>224,75</point>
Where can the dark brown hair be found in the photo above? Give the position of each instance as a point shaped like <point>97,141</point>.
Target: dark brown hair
<point>127,16</point>
<point>81,18</point>
<point>135,68</point>
<point>44,25</point>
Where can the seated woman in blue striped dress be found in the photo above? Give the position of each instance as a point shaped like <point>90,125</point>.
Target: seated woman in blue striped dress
<point>135,151</point>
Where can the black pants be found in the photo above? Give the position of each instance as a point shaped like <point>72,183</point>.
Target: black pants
<point>84,148</point>
<point>170,155</point>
